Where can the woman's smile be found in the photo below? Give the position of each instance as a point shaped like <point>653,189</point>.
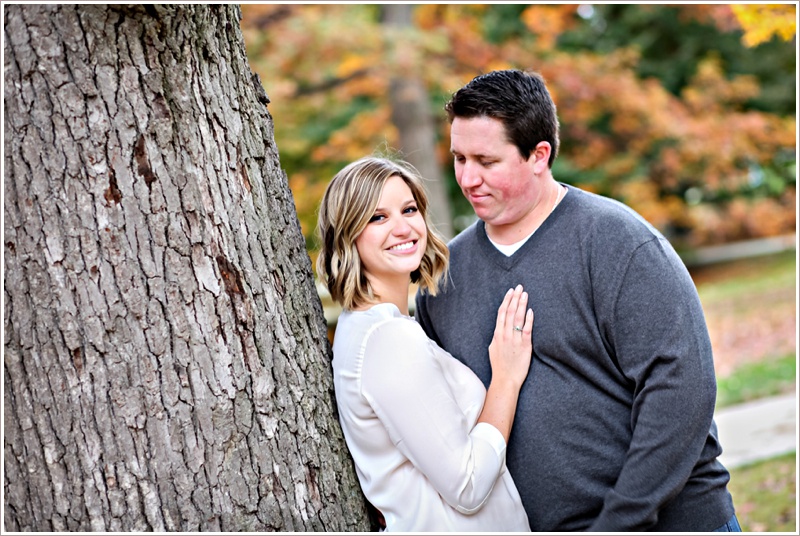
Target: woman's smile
<point>404,247</point>
<point>392,244</point>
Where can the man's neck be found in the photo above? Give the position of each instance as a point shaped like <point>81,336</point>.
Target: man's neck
<point>524,227</point>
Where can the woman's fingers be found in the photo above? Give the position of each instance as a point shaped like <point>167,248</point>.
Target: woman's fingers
<point>511,311</point>
<point>513,315</point>
<point>501,312</point>
<point>519,313</point>
<point>527,329</point>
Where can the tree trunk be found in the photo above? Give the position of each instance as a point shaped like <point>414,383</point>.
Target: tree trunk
<point>412,115</point>
<point>166,364</point>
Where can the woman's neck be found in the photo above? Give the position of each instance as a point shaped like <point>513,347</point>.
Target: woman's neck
<point>395,292</point>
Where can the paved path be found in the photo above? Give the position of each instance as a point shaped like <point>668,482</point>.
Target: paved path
<point>757,430</point>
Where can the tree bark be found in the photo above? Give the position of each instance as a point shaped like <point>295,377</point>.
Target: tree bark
<point>166,365</point>
<point>412,115</point>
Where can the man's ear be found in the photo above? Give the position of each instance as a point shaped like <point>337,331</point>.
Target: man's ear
<point>540,156</point>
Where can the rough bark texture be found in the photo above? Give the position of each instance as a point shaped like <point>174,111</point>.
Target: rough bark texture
<point>166,365</point>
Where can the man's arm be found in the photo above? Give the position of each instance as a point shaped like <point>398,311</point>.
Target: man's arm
<point>662,344</point>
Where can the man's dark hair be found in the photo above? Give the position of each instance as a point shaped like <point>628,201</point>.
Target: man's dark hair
<point>520,100</point>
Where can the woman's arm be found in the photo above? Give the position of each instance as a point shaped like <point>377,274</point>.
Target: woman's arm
<point>407,388</point>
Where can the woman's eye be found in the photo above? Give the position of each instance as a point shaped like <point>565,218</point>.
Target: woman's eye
<point>410,210</point>
<point>376,217</point>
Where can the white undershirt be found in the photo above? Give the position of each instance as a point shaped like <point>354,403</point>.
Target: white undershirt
<point>510,249</point>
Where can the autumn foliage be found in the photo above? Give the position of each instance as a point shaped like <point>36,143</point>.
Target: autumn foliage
<point>699,161</point>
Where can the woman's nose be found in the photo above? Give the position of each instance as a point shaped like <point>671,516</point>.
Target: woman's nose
<point>401,227</point>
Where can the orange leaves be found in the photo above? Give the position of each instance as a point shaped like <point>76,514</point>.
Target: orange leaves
<point>649,145</point>
<point>306,195</point>
<point>350,64</point>
<point>646,198</point>
<point>743,218</point>
<point>326,68</point>
<point>548,22</point>
<point>720,15</point>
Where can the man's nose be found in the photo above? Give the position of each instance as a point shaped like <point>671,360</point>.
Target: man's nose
<point>470,175</point>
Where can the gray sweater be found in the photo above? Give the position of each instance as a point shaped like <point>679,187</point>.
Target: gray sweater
<point>614,428</point>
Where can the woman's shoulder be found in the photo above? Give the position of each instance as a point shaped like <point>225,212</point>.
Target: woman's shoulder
<point>380,339</point>
<point>387,322</point>
<point>382,321</point>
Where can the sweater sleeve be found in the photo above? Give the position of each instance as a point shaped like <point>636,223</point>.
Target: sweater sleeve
<point>409,393</point>
<point>421,314</point>
<point>662,345</point>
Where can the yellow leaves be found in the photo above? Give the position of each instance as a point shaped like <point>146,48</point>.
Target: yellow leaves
<point>306,197</point>
<point>350,64</point>
<point>360,137</point>
<point>645,198</point>
<point>710,89</point>
<point>763,21</point>
<point>466,17</point>
<point>360,76</point>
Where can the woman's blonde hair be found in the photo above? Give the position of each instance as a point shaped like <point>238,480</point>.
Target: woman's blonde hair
<point>346,208</point>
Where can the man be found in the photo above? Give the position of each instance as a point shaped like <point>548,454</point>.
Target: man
<point>614,429</point>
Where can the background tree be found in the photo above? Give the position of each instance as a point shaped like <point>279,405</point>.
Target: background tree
<point>412,113</point>
<point>662,106</point>
<point>165,359</point>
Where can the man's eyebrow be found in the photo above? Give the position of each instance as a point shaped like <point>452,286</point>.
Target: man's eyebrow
<point>478,156</point>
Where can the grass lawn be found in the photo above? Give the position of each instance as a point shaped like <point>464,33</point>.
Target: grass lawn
<point>751,381</point>
<point>765,495</point>
<point>751,311</point>
<point>746,277</point>
<point>751,308</point>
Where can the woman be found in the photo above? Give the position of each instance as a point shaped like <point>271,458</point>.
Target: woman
<point>427,438</point>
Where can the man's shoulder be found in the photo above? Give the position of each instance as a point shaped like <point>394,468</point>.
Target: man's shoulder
<point>465,240</point>
<point>607,216</point>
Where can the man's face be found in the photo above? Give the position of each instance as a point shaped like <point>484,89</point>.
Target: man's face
<point>499,184</point>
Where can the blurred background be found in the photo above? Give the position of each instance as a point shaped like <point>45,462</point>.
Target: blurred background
<point>685,112</point>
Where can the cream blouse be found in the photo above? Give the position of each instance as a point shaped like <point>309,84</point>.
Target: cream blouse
<point>409,410</point>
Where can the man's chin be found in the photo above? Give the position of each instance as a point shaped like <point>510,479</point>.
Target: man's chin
<point>483,214</point>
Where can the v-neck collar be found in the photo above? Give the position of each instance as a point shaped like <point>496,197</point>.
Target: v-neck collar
<point>508,262</point>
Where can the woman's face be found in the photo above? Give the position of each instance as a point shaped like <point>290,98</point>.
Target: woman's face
<point>393,243</point>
